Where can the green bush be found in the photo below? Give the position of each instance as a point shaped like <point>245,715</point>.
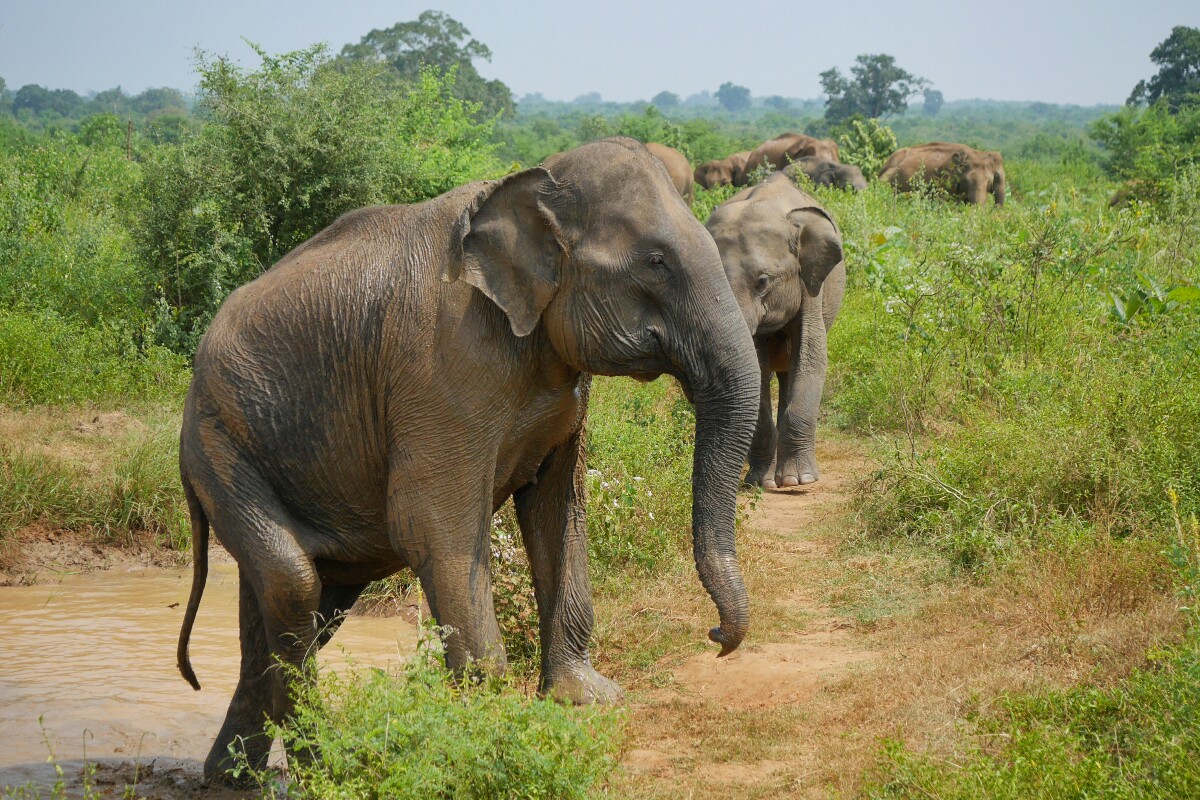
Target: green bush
<point>45,359</point>
<point>418,734</point>
<point>283,152</point>
<point>1150,148</point>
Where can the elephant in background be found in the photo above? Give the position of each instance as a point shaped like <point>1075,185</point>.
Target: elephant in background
<point>967,174</point>
<point>783,254</point>
<point>723,171</point>
<point>678,168</point>
<point>786,148</point>
<point>371,400</point>
<point>828,173</point>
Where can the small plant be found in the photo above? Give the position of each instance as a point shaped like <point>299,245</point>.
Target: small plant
<point>418,733</point>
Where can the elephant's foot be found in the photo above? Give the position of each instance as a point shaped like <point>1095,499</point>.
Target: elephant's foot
<point>757,476</point>
<point>800,472</point>
<point>579,685</point>
<point>224,768</point>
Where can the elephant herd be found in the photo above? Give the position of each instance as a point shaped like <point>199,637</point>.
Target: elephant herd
<point>963,172</point>
<point>369,402</point>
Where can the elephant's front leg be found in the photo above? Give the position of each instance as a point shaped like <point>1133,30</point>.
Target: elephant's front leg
<point>762,446</point>
<point>446,538</point>
<point>551,512</point>
<point>796,462</point>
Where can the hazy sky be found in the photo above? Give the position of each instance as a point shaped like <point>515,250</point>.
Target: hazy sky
<point>1062,51</point>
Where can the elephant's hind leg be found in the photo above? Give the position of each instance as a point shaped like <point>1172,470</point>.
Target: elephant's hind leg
<point>280,596</point>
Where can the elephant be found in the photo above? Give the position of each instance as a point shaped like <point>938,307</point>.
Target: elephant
<point>786,148</point>
<point>828,173</point>
<point>370,401</point>
<point>967,174</point>
<point>722,172</point>
<point>783,255</point>
<point>678,168</point>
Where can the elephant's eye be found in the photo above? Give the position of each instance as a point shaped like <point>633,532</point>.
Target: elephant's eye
<point>658,260</point>
<point>760,285</point>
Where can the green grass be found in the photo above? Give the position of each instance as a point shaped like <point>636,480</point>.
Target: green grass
<point>1138,739</point>
<point>129,491</point>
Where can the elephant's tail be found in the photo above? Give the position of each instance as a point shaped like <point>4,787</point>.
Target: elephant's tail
<point>199,576</point>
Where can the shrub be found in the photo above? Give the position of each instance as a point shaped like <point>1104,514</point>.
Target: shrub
<point>418,734</point>
<point>284,151</point>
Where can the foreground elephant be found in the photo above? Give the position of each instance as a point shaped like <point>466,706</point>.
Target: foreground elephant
<point>786,148</point>
<point>964,172</point>
<point>783,255</point>
<point>678,168</point>
<point>828,173</point>
<point>369,402</point>
<point>722,171</point>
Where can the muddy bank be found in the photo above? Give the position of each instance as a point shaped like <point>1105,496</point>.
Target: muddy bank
<point>87,669</point>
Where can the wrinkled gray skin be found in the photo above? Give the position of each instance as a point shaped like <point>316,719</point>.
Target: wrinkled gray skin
<point>967,174</point>
<point>823,172</point>
<point>371,400</point>
<point>677,166</point>
<point>783,255</point>
<point>723,171</point>
<point>786,148</point>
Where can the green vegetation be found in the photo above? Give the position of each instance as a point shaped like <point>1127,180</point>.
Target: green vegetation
<point>418,734</point>
<point>1138,739</point>
<point>877,87</point>
<point>1028,374</point>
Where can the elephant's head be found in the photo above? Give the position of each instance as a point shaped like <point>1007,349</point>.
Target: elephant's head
<point>776,243</point>
<point>979,174</point>
<point>714,173</point>
<point>596,255</point>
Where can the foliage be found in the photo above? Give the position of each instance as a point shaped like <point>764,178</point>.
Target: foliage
<point>877,88</point>
<point>1177,81</point>
<point>665,100</point>
<point>286,149</point>
<point>435,39</point>
<point>934,100</point>
<point>982,342</point>
<point>866,144</point>
<point>419,734</point>
<point>732,97</point>
<point>1150,148</point>
<point>1138,739</point>
<point>639,455</point>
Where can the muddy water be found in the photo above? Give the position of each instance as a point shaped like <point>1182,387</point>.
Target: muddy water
<point>94,657</point>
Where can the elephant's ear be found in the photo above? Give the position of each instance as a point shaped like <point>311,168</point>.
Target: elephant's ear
<point>817,244</point>
<point>508,244</point>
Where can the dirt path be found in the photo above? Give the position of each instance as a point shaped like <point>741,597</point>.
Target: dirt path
<point>798,650</point>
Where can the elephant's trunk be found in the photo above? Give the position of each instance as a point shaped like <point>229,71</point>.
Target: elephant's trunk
<point>998,188</point>
<point>726,391</point>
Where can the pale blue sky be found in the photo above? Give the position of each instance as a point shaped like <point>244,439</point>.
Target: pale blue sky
<point>1063,51</point>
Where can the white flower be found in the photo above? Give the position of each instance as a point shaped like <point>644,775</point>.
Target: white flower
<point>651,513</point>
<point>604,484</point>
<point>615,503</point>
<point>638,478</point>
<point>649,493</point>
<point>593,473</point>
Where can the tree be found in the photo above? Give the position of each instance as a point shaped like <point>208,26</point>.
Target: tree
<point>437,40</point>
<point>733,98</point>
<point>665,100</point>
<point>933,102</point>
<point>1178,78</point>
<point>777,102</point>
<point>877,88</point>
<point>40,100</point>
<point>5,98</point>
